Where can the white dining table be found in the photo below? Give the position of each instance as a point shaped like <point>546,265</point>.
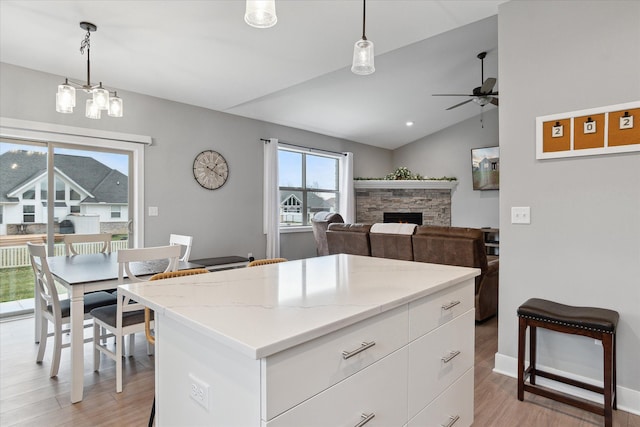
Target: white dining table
<point>81,274</point>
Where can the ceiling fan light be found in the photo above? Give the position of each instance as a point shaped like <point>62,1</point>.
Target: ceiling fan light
<point>363,58</point>
<point>115,106</point>
<point>482,100</point>
<point>261,13</point>
<point>92,111</point>
<point>65,98</point>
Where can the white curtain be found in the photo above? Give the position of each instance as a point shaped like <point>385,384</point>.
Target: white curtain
<point>271,199</point>
<point>347,193</point>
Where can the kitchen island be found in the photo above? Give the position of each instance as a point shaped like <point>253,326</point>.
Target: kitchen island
<point>334,340</point>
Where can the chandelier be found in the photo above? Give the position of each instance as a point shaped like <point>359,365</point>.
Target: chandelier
<point>101,99</point>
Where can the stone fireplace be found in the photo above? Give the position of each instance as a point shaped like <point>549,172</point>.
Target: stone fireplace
<point>432,199</point>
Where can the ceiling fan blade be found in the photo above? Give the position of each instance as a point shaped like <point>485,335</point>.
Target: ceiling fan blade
<point>457,105</point>
<point>451,94</point>
<point>488,85</point>
<point>494,101</point>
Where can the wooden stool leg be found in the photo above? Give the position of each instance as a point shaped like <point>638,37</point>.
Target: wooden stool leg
<point>607,344</point>
<point>522,333</point>
<point>533,344</point>
<point>615,376</point>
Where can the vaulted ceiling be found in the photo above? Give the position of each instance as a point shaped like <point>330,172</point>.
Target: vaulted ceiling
<point>296,73</point>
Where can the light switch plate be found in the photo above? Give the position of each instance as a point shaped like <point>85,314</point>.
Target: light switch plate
<point>520,215</point>
<point>153,211</point>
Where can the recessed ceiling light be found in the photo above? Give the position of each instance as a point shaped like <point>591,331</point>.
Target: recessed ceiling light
<point>409,123</point>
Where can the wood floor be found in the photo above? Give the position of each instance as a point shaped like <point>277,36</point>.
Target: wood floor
<point>29,397</point>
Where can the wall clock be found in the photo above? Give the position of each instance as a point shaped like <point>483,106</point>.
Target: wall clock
<point>210,169</point>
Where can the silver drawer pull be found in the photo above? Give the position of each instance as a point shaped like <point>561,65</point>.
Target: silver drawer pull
<point>365,345</point>
<point>450,305</point>
<point>452,421</point>
<point>365,419</point>
<point>450,356</point>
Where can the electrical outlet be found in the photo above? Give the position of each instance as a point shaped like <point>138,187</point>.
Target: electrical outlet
<point>153,211</point>
<point>521,215</point>
<point>199,391</point>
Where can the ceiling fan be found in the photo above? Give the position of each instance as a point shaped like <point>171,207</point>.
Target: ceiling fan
<point>482,95</point>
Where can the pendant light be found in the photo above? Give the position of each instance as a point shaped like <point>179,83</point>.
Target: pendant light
<point>363,50</point>
<point>261,13</point>
<point>101,99</point>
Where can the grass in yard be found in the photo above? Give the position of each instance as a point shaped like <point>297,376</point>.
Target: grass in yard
<point>16,283</point>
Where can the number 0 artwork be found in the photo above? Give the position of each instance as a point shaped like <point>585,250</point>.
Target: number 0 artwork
<point>603,130</point>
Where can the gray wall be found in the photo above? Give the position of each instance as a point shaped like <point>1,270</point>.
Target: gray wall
<point>226,221</point>
<point>583,244</point>
<point>448,153</point>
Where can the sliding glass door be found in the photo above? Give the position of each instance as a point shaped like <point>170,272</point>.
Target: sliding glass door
<point>48,190</point>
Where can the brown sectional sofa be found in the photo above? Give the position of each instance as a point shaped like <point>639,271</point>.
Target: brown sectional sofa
<point>440,245</point>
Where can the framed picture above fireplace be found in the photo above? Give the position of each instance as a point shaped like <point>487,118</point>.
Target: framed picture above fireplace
<point>485,168</point>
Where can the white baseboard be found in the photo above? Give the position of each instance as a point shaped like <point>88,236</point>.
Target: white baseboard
<point>628,399</point>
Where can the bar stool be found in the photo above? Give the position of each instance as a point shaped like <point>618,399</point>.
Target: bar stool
<point>597,323</point>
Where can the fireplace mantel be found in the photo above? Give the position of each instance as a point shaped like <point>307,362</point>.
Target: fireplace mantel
<point>405,184</point>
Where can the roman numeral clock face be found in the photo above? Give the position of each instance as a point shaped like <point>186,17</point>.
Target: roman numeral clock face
<point>210,169</point>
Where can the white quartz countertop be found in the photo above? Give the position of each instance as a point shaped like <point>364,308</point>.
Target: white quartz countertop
<point>260,311</point>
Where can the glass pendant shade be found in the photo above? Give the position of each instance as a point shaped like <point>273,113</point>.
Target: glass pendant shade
<point>115,106</point>
<point>65,99</point>
<point>101,98</point>
<point>363,58</point>
<point>92,112</point>
<point>261,13</point>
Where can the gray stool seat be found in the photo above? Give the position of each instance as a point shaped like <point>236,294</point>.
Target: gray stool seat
<point>593,322</point>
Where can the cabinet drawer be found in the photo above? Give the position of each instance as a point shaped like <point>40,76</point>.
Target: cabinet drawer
<point>380,389</point>
<point>452,408</point>
<point>437,359</point>
<point>296,374</point>
<point>435,310</point>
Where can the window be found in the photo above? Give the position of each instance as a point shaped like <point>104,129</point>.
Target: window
<point>75,209</point>
<point>43,190</point>
<point>74,195</point>
<point>28,213</point>
<point>115,212</point>
<point>308,183</point>
<point>29,195</point>
<point>59,189</point>
<point>1,214</point>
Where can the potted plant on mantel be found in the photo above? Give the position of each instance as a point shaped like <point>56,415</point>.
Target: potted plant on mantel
<point>402,177</point>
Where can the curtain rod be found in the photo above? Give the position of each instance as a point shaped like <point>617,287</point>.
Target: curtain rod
<point>306,148</point>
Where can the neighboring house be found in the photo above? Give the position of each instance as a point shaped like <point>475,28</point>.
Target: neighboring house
<point>83,186</point>
<point>291,206</point>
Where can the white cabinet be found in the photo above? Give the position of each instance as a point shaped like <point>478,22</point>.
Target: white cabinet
<point>377,393</point>
<point>454,407</point>
<point>369,342</point>
<point>435,335</point>
<point>293,375</point>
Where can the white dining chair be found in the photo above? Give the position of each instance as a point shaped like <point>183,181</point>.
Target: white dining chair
<point>126,317</point>
<point>186,241</point>
<point>71,239</point>
<point>55,310</point>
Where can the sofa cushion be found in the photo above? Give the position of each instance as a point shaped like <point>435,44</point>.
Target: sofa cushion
<point>392,240</point>
<point>349,239</point>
